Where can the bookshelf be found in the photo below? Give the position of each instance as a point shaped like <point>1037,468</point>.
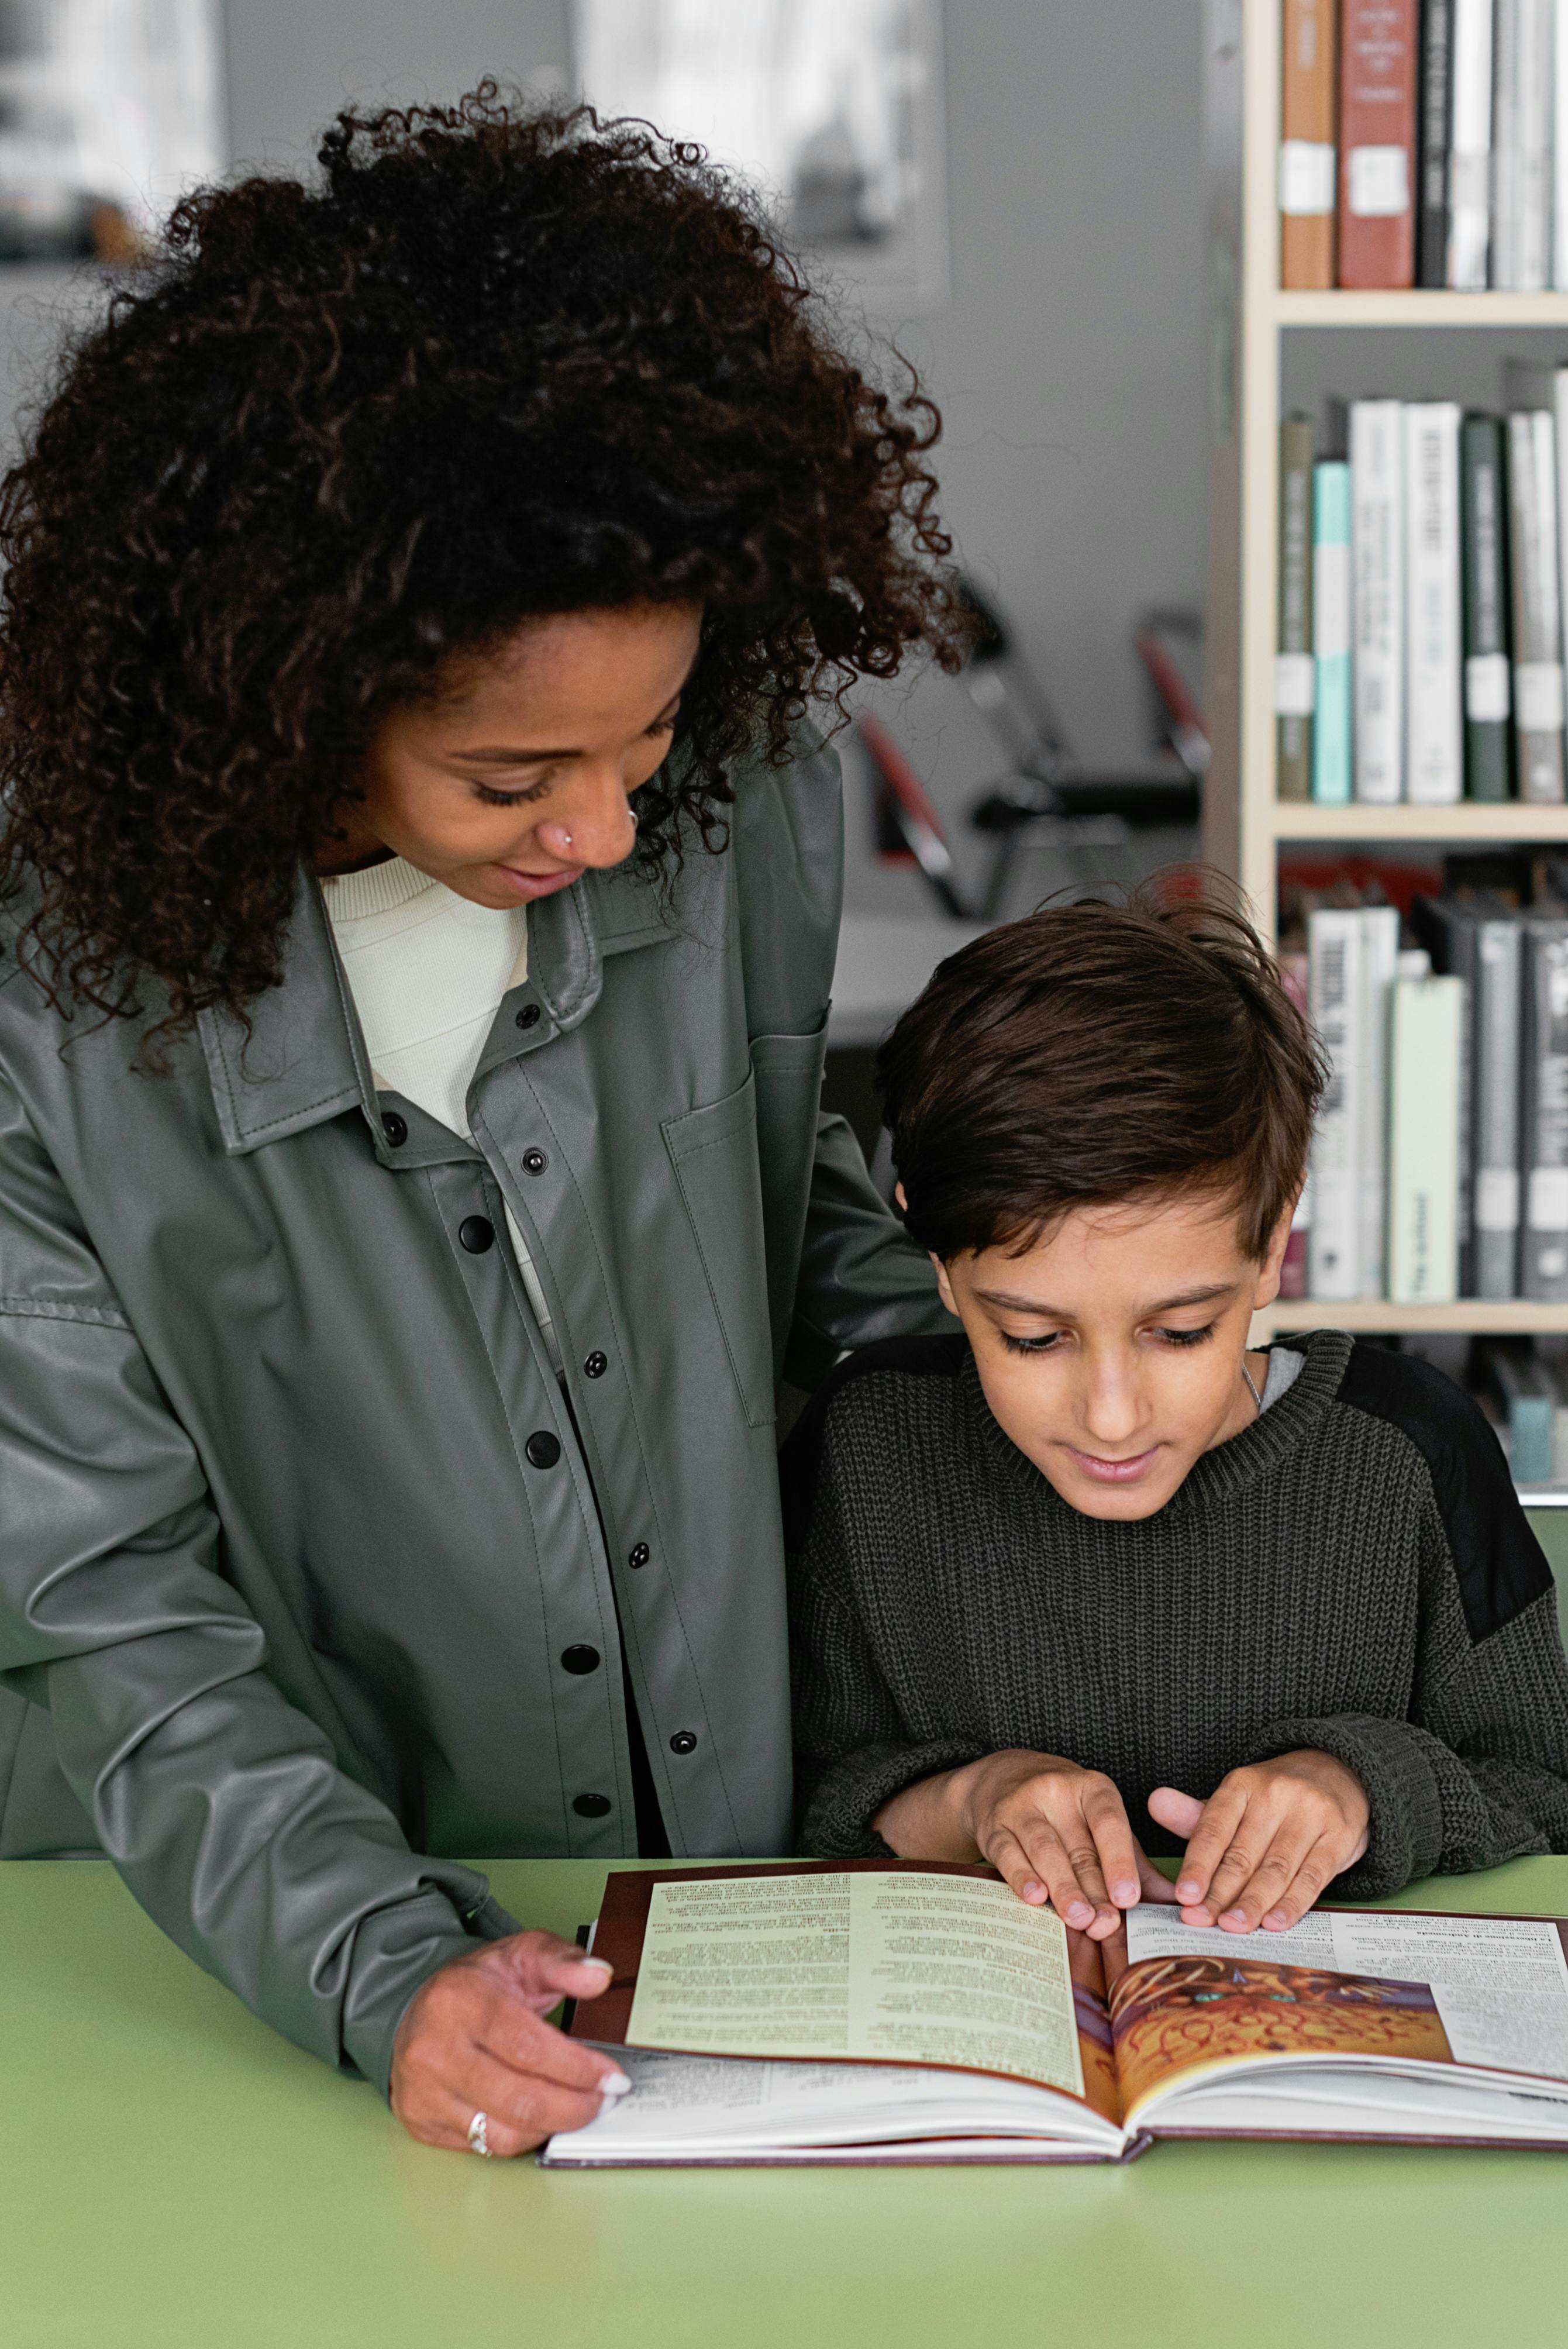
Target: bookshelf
<point>1245,825</point>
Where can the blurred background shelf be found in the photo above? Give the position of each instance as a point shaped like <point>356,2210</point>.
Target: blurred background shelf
<point>1419,309</point>
<point>1473,820</point>
<point>1375,1317</point>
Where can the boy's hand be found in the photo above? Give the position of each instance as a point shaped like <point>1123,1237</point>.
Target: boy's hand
<point>1058,1832</point>
<point>1268,1839</point>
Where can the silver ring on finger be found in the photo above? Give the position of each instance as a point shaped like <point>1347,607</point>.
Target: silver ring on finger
<point>479,2139</point>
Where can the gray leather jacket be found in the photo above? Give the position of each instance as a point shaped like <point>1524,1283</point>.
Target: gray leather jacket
<point>298,1523</point>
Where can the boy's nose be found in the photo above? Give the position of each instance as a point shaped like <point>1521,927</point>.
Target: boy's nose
<point>1112,1409</point>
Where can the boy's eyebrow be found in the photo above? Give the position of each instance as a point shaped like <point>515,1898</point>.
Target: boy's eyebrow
<point>1012,1304</point>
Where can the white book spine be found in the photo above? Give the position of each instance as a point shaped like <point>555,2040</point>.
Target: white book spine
<point>1537,621</point>
<point>1379,964</point>
<point>1559,145</point>
<point>1505,148</point>
<point>1423,1141</point>
<point>1520,134</point>
<point>1434,714</point>
<point>1470,158</point>
<point>1377,543</point>
<point>1336,1001</point>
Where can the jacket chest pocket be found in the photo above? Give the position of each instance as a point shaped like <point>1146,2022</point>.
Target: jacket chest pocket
<point>714,1154</point>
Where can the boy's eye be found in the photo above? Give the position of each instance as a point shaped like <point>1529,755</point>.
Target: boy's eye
<point>1186,1336</point>
<point>1030,1345</point>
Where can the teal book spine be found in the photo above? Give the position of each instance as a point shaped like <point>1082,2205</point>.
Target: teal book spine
<point>1331,767</point>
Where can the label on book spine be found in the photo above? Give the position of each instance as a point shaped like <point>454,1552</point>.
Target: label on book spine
<point>1486,688</point>
<point>1306,178</point>
<point>1331,600</point>
<point>1379,185</point>
<point>1497,1198</point>
<point>1294,684</point>
<point>1538,685</point>
<point>1548,1199</point>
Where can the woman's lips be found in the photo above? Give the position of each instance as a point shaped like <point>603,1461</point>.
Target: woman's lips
<point>1114,1471</point>
<point>538,885</point>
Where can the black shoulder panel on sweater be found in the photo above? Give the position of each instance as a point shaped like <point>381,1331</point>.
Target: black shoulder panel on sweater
<point>800,1458</point>
<point>1501,1566</point>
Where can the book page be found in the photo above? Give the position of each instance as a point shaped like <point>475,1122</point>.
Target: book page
<point>1499,1986</point>
<point>894,1967</point>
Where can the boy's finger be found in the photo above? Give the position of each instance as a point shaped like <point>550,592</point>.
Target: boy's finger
<point>1116,1848</point>
<point>1239,1908</point>
<point>1177,1813</point>
<point>1037,1879</point>
<point>1222,1814</point>
<point>1316,1870</point>
<point>1076,1893</point>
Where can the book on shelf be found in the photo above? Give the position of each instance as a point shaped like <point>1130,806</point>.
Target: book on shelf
<point>1377,594</point>
<point>1434,130</point>
<point>1377,238</point>
<point>1308,114</point>
<point>1522,117</point>
<point>1543,1106</point>
<point>1469,147</point>
<point>867,2011</point>
<point>1508,1374</point>
<point>1424,1116</point>
<point>1487,683</point>
<point>1336,998</point>
<point>1295,680</point>
<point>1449,932</point>
<point>1434,703</point>
<point>1535,614</point>
<point>1332,776</point>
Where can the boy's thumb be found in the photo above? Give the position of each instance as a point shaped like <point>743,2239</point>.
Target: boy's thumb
<point>1176,1812</point>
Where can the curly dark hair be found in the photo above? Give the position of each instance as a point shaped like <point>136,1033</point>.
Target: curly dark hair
<point>495,362</point>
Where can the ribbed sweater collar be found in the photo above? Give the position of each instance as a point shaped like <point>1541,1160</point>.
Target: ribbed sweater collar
<point>1228,1469</point>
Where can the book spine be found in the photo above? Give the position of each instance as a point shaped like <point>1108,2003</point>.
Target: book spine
<point>1483,535</point>
<point>1522,129</point>
<point>1307,159</point>
<point>1469,157</point>
<point>1377,143</point>
<point>1377,481</point>
<point>1330,605</point>
<point>1379,959</point>
<point>1292,971</point>
<point>1559,147</point>
<point>1334,981</point>
<point>1434,706</point>
<point>1533,568</point>
<point>1446,929</point>
<point>1435,128</point>
<point>1494,1092</point>
<point>1423,1142</point>
<point>1296,682</point>
<point>1543,1110</point>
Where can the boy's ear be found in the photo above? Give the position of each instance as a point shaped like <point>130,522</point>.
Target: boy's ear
<point>945,1289</point>
<point>1279,1240</point>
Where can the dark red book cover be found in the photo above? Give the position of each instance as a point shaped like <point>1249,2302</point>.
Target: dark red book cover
<point>1378,53</point>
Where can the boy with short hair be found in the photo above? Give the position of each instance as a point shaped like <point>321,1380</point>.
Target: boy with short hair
<point>1091,1577</point>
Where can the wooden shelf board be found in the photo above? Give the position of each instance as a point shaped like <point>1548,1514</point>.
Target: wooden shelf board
<point>1375,1317</point>
<point>1421,309</point>
<point>1468,820</point>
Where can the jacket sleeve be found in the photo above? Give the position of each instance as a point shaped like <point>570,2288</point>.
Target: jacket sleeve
<point>1478,1773</point>
<point>861,1277</point>
<point>853,1751</point>
<point>221,1805</point>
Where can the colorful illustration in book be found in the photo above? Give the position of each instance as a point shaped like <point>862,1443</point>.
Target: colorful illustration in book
<point>1170,2015</point>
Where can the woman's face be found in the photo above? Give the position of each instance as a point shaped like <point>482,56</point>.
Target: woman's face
<point>512,785</point>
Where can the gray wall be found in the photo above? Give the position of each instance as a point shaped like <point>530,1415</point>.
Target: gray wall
<point>1069,363</point>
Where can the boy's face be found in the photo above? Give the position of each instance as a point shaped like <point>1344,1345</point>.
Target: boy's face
<point>1111,1350</point>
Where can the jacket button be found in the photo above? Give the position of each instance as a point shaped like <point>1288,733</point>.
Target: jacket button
<point>529,1016</point>
<point>543,1450</point>
<point>580,1660</point>
<point>640,1556</point>
<point>684,1741</point>
<point>395,1128</point>
<point>596,1365</point>
<point>590,1806</point>
<point>476,1233</point>
<point>534,1162</point>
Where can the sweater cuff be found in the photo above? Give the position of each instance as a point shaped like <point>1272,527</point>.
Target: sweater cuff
<point>836,1824</point>
<point>1404,1829</point>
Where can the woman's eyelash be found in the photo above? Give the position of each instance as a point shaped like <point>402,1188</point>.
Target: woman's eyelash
<point>537,791</point>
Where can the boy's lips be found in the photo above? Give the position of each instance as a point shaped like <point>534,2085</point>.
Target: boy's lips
<point>1114,1471</point>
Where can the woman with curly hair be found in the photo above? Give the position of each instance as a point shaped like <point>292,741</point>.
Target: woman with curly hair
<point>420,886</point>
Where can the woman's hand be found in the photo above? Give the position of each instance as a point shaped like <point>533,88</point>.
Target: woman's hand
<point>1268,1839</point>
<point>474,2040</point>
<point>1055,1832</point>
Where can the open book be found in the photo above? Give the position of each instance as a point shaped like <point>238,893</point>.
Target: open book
<point>863,2011</point>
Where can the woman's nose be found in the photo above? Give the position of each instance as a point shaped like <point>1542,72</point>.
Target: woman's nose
<point>598,829</point>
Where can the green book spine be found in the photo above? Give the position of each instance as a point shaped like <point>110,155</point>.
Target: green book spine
<point>1483,531</point>
<point>1295,677</point>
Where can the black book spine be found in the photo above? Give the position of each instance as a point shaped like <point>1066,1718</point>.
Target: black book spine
<point>1434,131</point>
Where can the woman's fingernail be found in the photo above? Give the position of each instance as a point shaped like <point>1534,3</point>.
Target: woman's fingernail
<point>614,2084</point>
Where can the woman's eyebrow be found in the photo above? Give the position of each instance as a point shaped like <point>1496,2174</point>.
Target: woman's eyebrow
<point>506,757</point>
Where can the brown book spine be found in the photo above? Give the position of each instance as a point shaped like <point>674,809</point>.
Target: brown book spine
<point>1377,143</point>
<point>1309,104</point>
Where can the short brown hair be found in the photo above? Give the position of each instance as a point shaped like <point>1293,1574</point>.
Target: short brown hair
<point>1096,1052</point>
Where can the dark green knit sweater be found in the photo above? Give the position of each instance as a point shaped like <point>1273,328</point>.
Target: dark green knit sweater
<point>1352,1572</point>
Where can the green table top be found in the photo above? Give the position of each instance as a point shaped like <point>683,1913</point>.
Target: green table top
<point>171,2173</point>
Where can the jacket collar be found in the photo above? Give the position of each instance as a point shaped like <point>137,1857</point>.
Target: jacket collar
<point>303,1059</point>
